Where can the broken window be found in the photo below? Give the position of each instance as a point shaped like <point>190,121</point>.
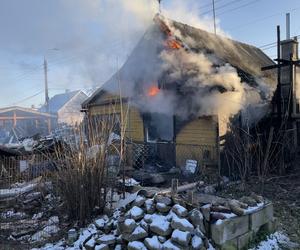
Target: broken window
<point>159,127</point>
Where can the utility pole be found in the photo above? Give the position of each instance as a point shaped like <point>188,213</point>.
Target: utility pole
<point>214,12</point>
<point>159,6</point>
<point>46,86</point>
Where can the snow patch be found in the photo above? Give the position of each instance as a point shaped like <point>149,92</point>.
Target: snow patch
<point>275,242</point>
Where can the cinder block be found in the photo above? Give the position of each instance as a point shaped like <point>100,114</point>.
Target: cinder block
<point>261,217</point>
<point>230,245</point>
<point>271,226</point>
<point>229,229</point>
<point>244,240</point>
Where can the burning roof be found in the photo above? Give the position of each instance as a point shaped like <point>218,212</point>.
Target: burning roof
<point>213,71</point>
<point>247,58</point>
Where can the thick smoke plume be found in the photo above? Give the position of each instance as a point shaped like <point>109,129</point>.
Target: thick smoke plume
<point>208,89</point>
<point>193,83</point>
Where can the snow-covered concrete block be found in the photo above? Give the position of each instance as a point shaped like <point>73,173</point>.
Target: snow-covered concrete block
<point>139,201</point>
<point>196,218</point>
<point>136,245</point>
<point>181,237</point>
<point>229,229</point>
<point>153,243</point>
<point>138,234</point>
<point>144,225</point>
<point>163,199</point>
<point>197,243</point>
<point>100,223</point>
<point>90,244</point>
<point>180,210</point>
<point>128,226</point>
<point>162,207</point>
<point>136,213</point>
<point>108,239</point>
<point>150,206</point>
<point>160,226</point>
<point>181,224</point>
<point>162,239</point>
<point>169,245</point>
<point>102,247</point>
<point>244,240</point>
<point>206,211</point>
<point>261,217</point>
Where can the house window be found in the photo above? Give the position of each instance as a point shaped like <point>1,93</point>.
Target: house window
<point>159,127</point>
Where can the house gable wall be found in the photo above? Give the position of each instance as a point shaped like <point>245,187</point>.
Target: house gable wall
<point>70,112</point>
<point>134,121</point>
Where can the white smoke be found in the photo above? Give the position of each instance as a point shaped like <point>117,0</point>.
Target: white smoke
<point>188,12</point>
<point>216,90</point>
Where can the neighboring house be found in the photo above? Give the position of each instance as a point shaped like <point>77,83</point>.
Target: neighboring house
<point>25,121</point>
<point>67,107</point>
<point>169,139</point>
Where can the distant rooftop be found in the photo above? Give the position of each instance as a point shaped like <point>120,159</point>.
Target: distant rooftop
<point>58,101</point>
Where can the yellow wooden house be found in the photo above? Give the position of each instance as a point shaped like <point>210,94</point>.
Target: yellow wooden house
<point>195,140</point>
<point>161,138</point>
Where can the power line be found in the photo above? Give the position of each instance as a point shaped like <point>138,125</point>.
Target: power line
<point>264,18</point>
<point>27,98</point>
<point>271,45</point>
<point>222,6</point>
<point>239,7</point>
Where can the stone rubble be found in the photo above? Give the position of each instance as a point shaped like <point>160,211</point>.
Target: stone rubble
<point>156,223</point>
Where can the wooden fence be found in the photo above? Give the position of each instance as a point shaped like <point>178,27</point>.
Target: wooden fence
<point>15,169</point>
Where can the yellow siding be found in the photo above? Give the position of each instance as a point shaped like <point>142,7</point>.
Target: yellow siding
<point>134,125</point>
<point>135,128</point>
<point>105,109</point>
<point>200,131</point>
<point>107,97</point>
<point>195,139</point>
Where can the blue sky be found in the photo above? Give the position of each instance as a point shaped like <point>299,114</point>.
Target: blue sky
<point>85,41</point>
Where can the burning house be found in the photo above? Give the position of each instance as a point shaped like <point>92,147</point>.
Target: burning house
<point>178,89</point>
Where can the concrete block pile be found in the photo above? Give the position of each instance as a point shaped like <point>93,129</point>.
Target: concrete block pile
<point>160,222</point>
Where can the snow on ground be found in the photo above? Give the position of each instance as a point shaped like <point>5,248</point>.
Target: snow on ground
<point>275,241</point>
<point>10,214</point>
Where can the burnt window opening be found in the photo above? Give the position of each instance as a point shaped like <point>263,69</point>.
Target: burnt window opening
<point>159,127</point>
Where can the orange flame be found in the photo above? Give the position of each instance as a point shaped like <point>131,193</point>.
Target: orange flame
<point>173,44</point>
<point>153,91</point>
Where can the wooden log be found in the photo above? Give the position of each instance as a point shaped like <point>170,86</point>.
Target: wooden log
<point>15,192</point>
<point>217,216</point>
<point>235,207</point>
<point>221,209</point>
<point>183,187</point>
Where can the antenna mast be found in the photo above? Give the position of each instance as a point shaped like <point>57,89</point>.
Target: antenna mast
<point>214,12</point>
<point>159,5</point>
<point>46,86</point>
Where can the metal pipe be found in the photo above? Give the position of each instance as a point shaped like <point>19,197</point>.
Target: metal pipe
<point>288,27</point>
<point>278,76</point>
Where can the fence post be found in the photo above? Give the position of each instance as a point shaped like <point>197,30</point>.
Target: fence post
<point>190,196</point>
<point>174,186</point>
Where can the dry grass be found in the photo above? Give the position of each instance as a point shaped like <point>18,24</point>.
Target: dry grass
<point>81,179</point>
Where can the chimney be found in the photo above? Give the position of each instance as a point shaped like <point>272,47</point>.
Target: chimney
<point>289,51</point>
<point>289,103</point>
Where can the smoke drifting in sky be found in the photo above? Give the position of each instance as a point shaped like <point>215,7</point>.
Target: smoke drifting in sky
<point>92,38</point>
